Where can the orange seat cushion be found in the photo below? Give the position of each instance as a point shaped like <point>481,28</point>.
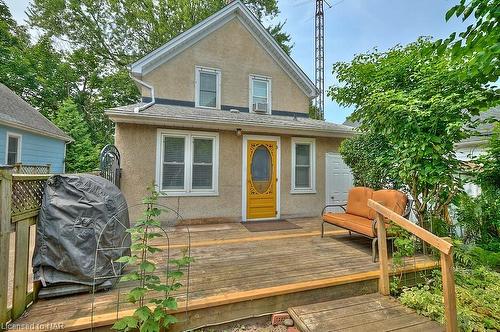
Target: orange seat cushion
<point>392,199</point>
<point>351,222</point>
<point>357,201</point>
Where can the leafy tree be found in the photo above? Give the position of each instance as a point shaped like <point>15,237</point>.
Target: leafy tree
<point>121,31</point>
<point>82,154</point>
<point>479,43</point>
<point>422,105</point>
<point>364,153</point>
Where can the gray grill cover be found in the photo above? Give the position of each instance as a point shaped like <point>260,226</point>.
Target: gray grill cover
<point>75,210</point>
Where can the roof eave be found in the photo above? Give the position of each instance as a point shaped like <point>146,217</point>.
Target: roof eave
<point>36,131</point>
<point>148,119</point>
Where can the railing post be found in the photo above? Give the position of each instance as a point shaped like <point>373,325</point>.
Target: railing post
<point>382,255</point>
<point>450,301</point>
<point>5,230</point>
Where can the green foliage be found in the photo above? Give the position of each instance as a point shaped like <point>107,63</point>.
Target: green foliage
<point>363,154</point>
<point>314,112</point>
<point>479,218</point>
<point>472,256</point>
<point>82,154</point>
<point>479,43</point>
<point>422,105</point>
<point>489,176</point>
<point>478,299</point>
<point>121,31</point>
<point>153,295</point>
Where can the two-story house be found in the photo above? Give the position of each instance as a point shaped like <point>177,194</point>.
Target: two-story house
<point>223,127</point>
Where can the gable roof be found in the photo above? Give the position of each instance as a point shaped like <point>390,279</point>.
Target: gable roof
<point>238,10</point>
<point>15,112</point>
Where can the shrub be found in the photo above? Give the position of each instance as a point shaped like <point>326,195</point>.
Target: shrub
<point>362,153</point>
<point>478,299</point>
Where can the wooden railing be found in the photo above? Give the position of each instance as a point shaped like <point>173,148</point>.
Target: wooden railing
<point>20,201</point>
<point>445,248</point>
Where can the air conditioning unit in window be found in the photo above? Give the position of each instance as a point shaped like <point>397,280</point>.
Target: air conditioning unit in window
<point>260,107</point>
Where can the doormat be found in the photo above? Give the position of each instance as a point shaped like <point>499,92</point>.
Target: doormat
<point>269,226</point>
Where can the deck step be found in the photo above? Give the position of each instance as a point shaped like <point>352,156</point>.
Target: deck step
<point>372,312</point>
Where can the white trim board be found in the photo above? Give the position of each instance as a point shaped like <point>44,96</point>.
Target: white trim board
<point>235,9</point>
<point>245,140</point>
<point>19,146</point>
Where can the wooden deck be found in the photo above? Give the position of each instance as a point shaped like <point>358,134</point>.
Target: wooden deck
<point>373,312</point>
<point>239,274</point>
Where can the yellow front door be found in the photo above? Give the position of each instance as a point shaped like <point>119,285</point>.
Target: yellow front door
<point>261,179</point>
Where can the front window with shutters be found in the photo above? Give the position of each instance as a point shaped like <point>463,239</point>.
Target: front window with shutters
<point>303,165</point>
<point>187,163</point>
<point>207,89</point>
<point>13,149</point>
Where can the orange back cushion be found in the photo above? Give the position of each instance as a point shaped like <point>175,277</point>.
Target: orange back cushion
<point>391,199</point>
<point>357,201</point>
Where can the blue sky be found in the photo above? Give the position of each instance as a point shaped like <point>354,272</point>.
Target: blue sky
<point>351,27</point>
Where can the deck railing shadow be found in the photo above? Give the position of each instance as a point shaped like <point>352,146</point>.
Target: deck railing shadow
<point>442,245</point>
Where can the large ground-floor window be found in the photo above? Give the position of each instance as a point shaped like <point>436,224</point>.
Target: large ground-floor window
<point>187,163</point>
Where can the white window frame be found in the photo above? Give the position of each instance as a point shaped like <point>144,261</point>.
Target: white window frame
<point>312,156</point>
<point>188,162</point>
<point>268,79</point>
<point>198,70</point>
<point>19,145</point>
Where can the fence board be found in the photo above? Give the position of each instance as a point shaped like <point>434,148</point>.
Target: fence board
<point>5,229</point>
<point>21,268</point>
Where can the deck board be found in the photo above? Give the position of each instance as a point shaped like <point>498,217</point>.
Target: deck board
<point>233,264</point>
<point>373,312</point>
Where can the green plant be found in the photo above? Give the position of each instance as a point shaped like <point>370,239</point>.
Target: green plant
<point>362,153</point>
<point>478,298</point>
<point>404,246</point>
<point>422,104</point>
<point>153,313</point>
<point>479,218</point>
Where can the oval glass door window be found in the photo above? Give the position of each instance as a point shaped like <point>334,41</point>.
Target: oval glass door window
<point>261,169</point>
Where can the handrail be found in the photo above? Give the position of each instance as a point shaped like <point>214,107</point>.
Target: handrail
<point>435,241</point>
<point>446,249</point>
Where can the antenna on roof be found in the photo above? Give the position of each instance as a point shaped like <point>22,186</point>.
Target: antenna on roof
<point>319,58</point>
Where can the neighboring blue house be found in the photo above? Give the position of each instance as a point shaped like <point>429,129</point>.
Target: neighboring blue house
<point>27,137</point>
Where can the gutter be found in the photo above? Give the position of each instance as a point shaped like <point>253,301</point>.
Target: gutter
<point>150,87</point>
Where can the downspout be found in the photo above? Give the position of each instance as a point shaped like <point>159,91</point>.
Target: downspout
<point>150,87</point>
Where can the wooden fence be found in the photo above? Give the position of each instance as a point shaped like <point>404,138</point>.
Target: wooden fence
<point>20,200</point>
<point>444,247</point>
<point>31,169</point>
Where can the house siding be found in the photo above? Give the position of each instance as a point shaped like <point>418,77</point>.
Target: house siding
<point>233,50</point>
<point>35,149</point>
<point>137,146</point>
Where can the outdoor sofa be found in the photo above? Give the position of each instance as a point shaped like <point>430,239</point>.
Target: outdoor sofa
<point>359,218</point>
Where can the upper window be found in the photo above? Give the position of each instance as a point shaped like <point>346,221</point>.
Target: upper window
<point>13,151</point>
<point>207,93</point>
<point>187,163</point>
<point>303,165</point>
<point>260,94</point>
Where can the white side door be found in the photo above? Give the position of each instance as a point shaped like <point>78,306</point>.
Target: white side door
<point>339,179</point>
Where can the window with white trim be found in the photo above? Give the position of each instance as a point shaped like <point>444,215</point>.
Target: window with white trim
<point>303,165</point>
<point>13,149</point>
<point>187,163</point>
<point>207,87</point>
<point>260,94</point>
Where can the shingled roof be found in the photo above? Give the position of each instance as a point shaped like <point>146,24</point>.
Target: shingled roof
<point>184,116</point>
<point>15,112</point>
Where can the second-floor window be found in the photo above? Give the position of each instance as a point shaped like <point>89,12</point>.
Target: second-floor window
<point>260,94</point>
<point>207,87</point>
